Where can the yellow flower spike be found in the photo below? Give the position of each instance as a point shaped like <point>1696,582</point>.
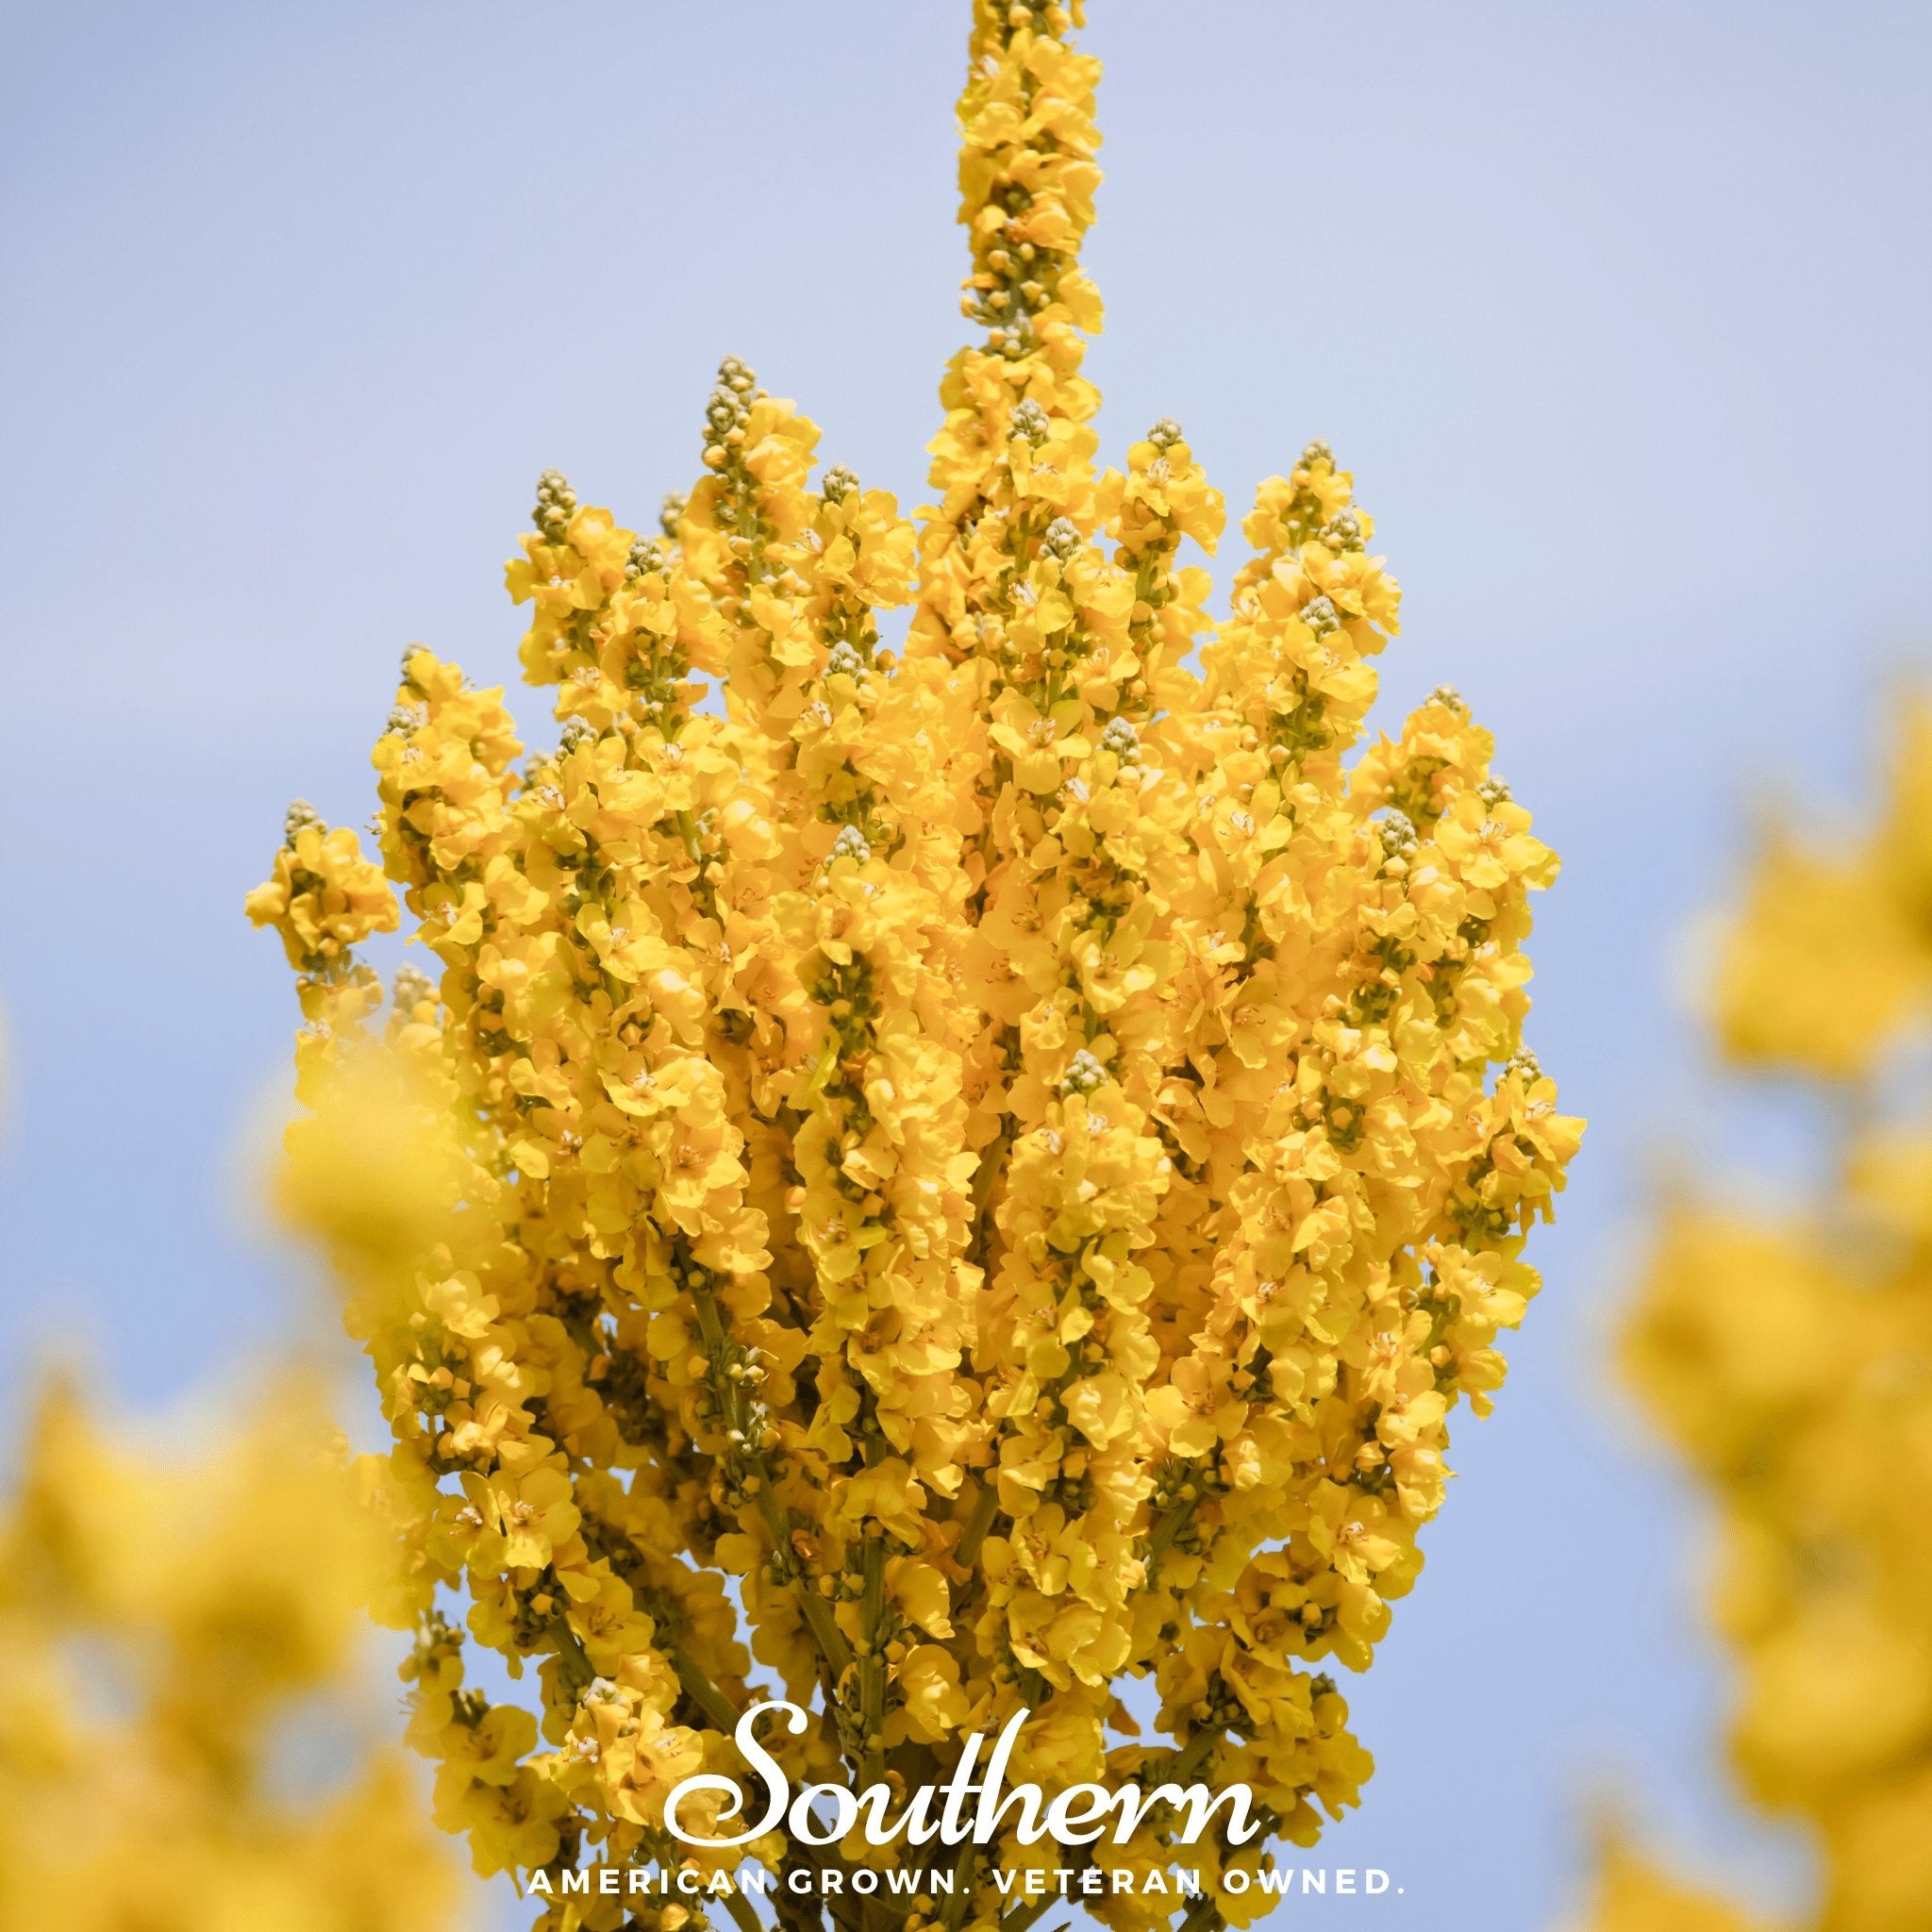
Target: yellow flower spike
<point>979,1173</point>
<point>170,1629</point>
<point>1782,1354</point>
<point>1824,967</point>
<point>324,898</point>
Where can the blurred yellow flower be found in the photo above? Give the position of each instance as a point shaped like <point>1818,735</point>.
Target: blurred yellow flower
<point>181,1638</point>
<point>1787,1357</point>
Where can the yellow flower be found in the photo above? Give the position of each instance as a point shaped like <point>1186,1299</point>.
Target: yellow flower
<point>533,1513</point>
<point>324,897</point>
<point>220,1600</point>
<point>1006,1149</point>
<point>1784,1354</point>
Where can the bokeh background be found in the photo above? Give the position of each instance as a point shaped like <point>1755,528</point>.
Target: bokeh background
<point>1619,314</point>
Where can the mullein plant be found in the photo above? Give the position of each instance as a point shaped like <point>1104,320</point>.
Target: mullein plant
<point>964,1180</point>
<point>182,1741</point>
<point>1788,1359</point>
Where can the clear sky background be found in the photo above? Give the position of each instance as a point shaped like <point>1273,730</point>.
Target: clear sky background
<point>1619,314</point>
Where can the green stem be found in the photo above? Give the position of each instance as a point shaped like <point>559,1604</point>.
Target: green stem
<point>575,1669</point>
<point>1194,1753</point>
<point>985,1506</point>
<point>1169,1527</point>
<point>1023,1916</point>
<point>984,1179</point>
<point>965,1867</point>
<point>872,1665</point>
<point>703,1692</point>
<point>716,1706</point>
<point>816,1611</point>
<point>1203,1914</point>
<point>736,1904</point>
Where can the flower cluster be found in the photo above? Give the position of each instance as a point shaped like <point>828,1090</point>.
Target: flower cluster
<point>178,1742</point>
<point>1789,1359</point>
<point>955,1178</point>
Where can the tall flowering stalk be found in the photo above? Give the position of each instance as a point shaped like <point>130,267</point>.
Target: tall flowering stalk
<point>1789,1359</point>
<point>968,1176</point>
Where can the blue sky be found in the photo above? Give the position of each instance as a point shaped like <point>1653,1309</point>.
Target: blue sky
<point>1617,312</point>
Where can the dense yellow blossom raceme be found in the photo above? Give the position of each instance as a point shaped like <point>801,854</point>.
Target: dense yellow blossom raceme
<point>173,1631</point>
<point>963,1178</point>
<point>1789,1359</point>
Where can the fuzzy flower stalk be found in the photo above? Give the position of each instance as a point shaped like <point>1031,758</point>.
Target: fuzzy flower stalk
<point>1787,1358</point>
<point>961,1181</point>
<point>181,1742</point>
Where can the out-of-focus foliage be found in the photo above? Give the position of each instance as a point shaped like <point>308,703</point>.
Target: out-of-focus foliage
<point>970,1176</point>
<point>1787,1357</point>
<point>182,1747</point>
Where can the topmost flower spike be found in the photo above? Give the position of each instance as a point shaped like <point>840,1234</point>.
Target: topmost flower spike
<point>991,1151</point>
